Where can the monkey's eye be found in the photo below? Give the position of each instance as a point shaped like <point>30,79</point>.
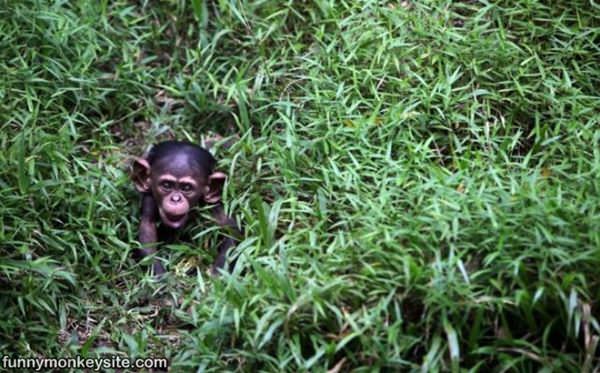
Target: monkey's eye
<point>166,184</point>
<point>186,187</point>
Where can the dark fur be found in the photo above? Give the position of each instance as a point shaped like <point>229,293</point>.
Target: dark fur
<point>199,161</point>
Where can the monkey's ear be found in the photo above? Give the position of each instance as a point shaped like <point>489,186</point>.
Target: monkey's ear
<point>140,174</point>
<point>215,187</point>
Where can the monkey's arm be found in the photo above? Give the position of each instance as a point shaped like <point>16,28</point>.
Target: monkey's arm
<point>148,236</point>
<point>230,225</point>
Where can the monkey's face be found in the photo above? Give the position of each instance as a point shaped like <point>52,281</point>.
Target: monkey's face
<point>175,196</point>
<point>177,183</point>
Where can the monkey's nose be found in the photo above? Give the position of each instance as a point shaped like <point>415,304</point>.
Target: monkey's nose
<point>176,198</point>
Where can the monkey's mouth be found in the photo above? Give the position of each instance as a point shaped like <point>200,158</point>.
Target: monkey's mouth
<point>173,221</point>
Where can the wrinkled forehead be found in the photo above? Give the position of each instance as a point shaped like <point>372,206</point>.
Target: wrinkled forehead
<point>179,165</point>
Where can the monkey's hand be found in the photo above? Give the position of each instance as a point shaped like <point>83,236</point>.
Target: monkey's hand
<point>158,269</point>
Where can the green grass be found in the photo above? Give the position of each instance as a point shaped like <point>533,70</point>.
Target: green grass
<point>419,182</point>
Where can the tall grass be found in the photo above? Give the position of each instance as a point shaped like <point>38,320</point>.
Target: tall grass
<point>419,182</point>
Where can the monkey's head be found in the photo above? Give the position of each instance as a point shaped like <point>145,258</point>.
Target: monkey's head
<point>179,175</point>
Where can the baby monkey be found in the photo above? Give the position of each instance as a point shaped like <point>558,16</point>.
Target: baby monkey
<point>173,177</point>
